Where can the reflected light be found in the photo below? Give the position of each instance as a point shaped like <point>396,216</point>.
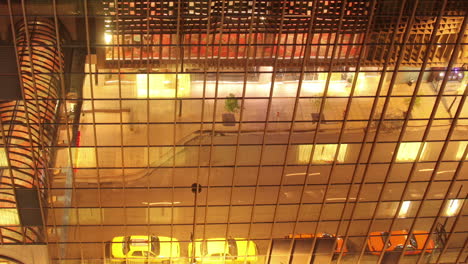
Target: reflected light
<point>162,85</point>
<point>453,206</point>
<point>9,216</point>
<point>461,149</point>
<point>408,151</point>
<point>318,87</point>
<point>3,158</point>
<point>107,38</point>
<point>404,209</point>
<point>323,153</point>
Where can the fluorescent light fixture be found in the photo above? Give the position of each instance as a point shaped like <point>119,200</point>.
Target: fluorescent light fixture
<point>453,207</point>
<point>404,209</point>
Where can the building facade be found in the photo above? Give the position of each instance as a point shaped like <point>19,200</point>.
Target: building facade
<point>247,131</point>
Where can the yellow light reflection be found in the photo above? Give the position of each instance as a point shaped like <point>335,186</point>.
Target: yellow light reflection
<point>3,158</point>
<point>323,153</point>
<point>404,209</point>
<point>163,85</point>
<point>9,217</point>
<point>461,149</point>
<point>408,151</point>
<point>453,206</point>
<point>84,157</point>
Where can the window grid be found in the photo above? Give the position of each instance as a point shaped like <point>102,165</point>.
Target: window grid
<point>253,120</point>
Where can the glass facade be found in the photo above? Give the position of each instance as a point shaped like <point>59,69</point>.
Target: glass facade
<point>247,131</point>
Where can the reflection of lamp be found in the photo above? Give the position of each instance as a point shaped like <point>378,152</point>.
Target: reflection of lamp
<point>404,209</point>
<point>107,38</point>
<point>452,207</point>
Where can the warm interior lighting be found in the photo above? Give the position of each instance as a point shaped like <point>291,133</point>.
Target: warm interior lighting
<point>408,151</point>
<point>3,158</point>
<point>84,157</point>
<point>163,85</point>
<point>404,209</point>
<point>107,38</point>
<point>453,206</point>
<point>9,216</point>
<point>323,153</point>
<point>461,149</point>
<point>318,87</point>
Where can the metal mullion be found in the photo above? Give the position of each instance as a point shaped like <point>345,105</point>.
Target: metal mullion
<point>402,132</point>
<point>307,51</point>
<point>202,118</point>
<point>460,254</point>
<point>319,46</point>
<point>161,50</point>
<point>28,125</point>
<point>47,183</point>
<point>445,202</point>
<point>424,139</point>
<point>294,46</point>
<point>188,45</point>
<point>314,141</point>
<point>199,44</point>
<point>363,143</point>
<point>238,37</point>
<point>438,49</point>
<point>343,129</point>
<point>62,90</point>
<point>223,6</point>
<point>119,85</point>
<point>13,185</point>
<point>265,129</point>
<point>147,100</point>
<point>413,40</point>
<point>327,46</point>
<point>119,50</point>
<point>445,47</point>
<point>178,48</point>
<point>244,88</point>
<point>452,230</point>
<point>34,86</point>
<point>449,134</point>
<point>340,47</point>
<point>421,44</point>
<point>88,48</point>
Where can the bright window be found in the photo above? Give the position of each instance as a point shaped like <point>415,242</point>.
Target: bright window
<point>404,209</point>
<point>323,153</point>
<point>84,157</point>
<point>3,158</point>
<point>453,207</point>
<point>9,217</point>
<point>408,151</point>
<point>461,149</point>
<point>163,85</point>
